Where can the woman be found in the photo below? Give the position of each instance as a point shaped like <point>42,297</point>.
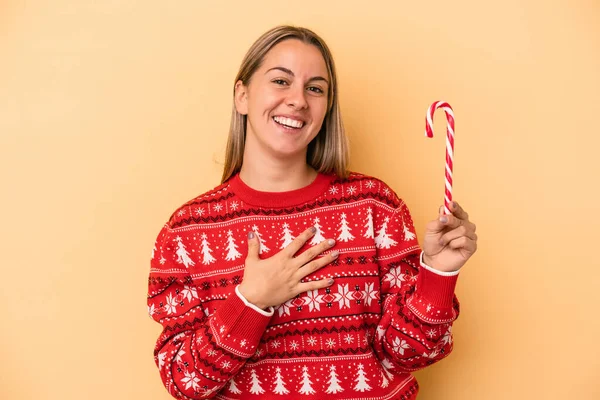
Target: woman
<point>333,296</point>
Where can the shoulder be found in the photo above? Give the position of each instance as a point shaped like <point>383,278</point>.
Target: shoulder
<point>198,208</point>
<point>361,185</point>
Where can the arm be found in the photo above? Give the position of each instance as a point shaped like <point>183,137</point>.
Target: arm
<point>197,354</point>
<point>419,305</point>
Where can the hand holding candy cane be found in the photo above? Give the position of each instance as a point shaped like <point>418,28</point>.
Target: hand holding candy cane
<point>450,240</point>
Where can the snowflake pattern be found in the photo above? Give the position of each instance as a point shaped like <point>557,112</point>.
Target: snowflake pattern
<point>218,207</point>
<point>431,333</point>
<point>189,293</point>
<point>200,211</point>
<point>394,277</point>
<point>181,213</point>
<point>330,343</point>
<point>349,339</point>
<point>172,303</point>
<point>312,340</point>
<point>314,300</point>
<point>191,380</point>
<point>370,184</point>
<point>333,190</point>
<point>225,365</point>
<point>351,190</point>
<point>294,345</point>
<point>276,344</point>
<point>399,345</point>
<point>234,205</point>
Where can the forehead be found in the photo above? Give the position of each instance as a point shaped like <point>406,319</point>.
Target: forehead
<point>299,57</point>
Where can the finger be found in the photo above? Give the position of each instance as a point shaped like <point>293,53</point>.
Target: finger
<point>304,287</point>
<point>315,265</point>
<point>464,243</point>
<point>446,222</point>
<point>458,211</point>
<point>253,246</point>
<point>313,252</point>
<point>456,233</point>
<point>297,243</point>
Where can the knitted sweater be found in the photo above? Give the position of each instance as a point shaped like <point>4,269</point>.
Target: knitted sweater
<point>385,316</point>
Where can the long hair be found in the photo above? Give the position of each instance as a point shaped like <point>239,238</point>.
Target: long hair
<point>328,152</point>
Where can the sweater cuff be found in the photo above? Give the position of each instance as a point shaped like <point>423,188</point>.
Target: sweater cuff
<point>237,327</point>
<point>433,298</point>
<point>252,306</point>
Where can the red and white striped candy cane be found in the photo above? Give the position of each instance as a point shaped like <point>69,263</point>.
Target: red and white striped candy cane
<point>449,145</point>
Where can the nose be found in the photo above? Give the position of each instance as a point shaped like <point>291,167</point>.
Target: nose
<point>297,98</point>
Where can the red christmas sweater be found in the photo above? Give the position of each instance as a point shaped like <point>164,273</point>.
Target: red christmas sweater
<point>386,315</point>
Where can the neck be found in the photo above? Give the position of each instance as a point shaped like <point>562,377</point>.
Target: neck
<point>276,175</point>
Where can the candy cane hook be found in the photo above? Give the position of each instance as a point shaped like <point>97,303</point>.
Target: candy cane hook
<point>449,146</point>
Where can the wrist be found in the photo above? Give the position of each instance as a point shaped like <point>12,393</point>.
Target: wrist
<point>250,297</point>
<point>427,263</point>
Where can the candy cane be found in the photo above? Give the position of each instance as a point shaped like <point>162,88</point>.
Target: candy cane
<point>449,145</point>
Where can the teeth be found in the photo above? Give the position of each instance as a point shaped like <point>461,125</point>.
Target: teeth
<point>292,123</point>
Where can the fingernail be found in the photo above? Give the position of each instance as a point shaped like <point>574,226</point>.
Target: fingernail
<point>454,205</point>
<point>334,254</point>
<point>250,235</point>
<point>331,242</point>
<point>313,229</point>
<point>330,281</point>
<point>444,219</point>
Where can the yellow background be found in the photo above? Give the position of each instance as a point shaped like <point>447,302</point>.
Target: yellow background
<point>113,113</point>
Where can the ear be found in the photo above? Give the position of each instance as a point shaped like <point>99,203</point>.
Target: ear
<point>241,97</point>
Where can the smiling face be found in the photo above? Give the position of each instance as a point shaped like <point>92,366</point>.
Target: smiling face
<point>285,101</point>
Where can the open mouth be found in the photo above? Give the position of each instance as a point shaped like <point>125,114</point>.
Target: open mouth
<point>288,122</point>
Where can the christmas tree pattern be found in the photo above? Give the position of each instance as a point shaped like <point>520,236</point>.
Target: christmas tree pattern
<point>279,384</point>
<point>408,235</point>
<point>344,229</point>
<point>206,251</point>
<point>384,380</point>
<point>183,257</point>
<point>318,236</point>
<point>387,366</point>
<point>233,387</point>
<point>232,252</point>
<point>369,231</point>
<point>334,382</point>
<point>287,237</point>
<point>306,382</point>
<point>256,388</point>
<point>383,240</point>
<point>263,246</point>
<point>361,380</point>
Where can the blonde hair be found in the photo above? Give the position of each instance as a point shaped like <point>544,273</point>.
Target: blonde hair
<point>328,152</point>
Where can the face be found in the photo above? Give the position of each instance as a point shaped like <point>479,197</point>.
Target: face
<point>286,99</point>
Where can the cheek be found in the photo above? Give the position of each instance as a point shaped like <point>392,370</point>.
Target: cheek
<point>319,111</point>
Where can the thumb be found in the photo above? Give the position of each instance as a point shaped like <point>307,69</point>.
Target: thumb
<point>253,246</point>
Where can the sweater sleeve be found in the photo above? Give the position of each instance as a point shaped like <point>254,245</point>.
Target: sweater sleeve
<point>419,305</point>
<point>197,354</point>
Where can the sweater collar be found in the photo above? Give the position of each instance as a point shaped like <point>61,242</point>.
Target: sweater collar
<point>280,199</point>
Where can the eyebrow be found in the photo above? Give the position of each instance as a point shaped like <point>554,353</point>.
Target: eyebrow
<point>289,72</point>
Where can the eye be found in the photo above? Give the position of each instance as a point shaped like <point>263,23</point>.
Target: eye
<point>280,81</point>
<point>315,89</point>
